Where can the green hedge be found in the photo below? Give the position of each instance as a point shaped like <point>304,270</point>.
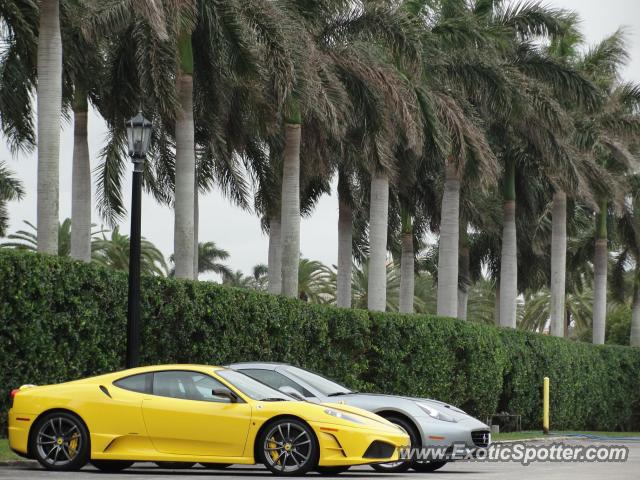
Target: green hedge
<point>61,320</point>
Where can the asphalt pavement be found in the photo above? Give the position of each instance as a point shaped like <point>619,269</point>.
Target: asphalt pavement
<point>462,470</point>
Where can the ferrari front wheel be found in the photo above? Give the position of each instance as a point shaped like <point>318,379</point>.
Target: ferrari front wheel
<point>288,447</point>
<point>60,441</point>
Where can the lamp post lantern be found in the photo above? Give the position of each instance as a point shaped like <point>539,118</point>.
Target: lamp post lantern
<point>138,138</point>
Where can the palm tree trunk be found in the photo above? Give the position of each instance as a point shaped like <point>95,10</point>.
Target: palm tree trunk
<point>448,244</point>
<point>378,224</point>
<point>80,182</point>
<point>275,256</point>
<point>634,339</point>
<point>49,98</point>
<point>196,227</point>
<point>407,274</point>
<point>509,253</point>
<point>600,261</point>
<point>290,219</point>
<point>496,304</point>
<point>558,262</point>
<point>345,245</point>
<point>464,276</point>
<point>185,180</point>
<point>509,267</point>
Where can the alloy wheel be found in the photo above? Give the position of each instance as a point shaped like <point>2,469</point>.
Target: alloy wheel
<point>59,441</point>
<point>287,447</point>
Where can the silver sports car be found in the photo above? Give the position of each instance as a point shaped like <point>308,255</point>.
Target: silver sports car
<point>430,423</point>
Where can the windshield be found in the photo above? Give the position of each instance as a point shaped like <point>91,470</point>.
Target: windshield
<point>323,385</point>
<point>252,388</point>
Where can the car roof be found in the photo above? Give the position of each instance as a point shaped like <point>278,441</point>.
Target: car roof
<point>174,366</point>
<point>262,365</point>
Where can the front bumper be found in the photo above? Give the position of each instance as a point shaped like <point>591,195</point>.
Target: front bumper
<point>467,435</point>
<point>345,445</point>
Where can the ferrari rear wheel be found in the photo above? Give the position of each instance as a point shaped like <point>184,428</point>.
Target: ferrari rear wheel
<point>175,465</point>
<point>401,465</point>
<point>111,466</point>
<point>60,441</point>
<point>288,447</point>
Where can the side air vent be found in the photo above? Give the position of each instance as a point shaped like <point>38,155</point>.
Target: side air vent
<point>105,391</point>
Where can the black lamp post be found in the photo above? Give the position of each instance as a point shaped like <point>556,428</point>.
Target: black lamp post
<point>138,137</point>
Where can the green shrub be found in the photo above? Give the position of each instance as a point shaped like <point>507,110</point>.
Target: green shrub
<point>62,320</point>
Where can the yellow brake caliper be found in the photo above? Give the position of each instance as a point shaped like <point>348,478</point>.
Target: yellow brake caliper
<point>274,453</point>
<point>73,444</point>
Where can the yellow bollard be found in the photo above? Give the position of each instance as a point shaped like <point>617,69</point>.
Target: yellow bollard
<point>545,407</point>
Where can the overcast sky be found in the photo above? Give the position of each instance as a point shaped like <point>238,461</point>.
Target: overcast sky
<point>238,231</point>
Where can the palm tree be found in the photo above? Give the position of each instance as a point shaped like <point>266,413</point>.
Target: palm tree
<point>10,189</point>
<point>314,281</point>
<point>531,125</point>
<point>209,256</point>
<point>628,260</point>
<point>360,286</point>
<point>185,163</point>
<point>28,239</point>
<point>260,278</point>
<point>219,79</point>
<point>450,122</point>
<point>537,311</point>
<point>237,279</point>
<point>607,134</point>
<point>113,252</point>
<point>353,47</point>
<point>208,259</point>
<point>82,67</point>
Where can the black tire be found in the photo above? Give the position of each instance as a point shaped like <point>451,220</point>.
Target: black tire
<point>332,470</point>
<point>297,453</point>
<point>426,467</point>
<point>400,466</point>
<point>111,466</point>
<point>216,466</point>
<point>60,433</point>
<point>175,465</point>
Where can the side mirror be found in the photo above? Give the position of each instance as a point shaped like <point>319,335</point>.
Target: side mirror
<point>225,392</point>
<point>292,392</point>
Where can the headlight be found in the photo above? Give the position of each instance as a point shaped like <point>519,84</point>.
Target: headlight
<point>433,413</point>
<point>342,415</point>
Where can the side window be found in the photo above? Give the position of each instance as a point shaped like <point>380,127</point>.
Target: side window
<point>136,383</point>
<point>187,386</point>
<point>275,380</point>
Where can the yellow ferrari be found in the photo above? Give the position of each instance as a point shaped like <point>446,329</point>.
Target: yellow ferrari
<point>192,414</point>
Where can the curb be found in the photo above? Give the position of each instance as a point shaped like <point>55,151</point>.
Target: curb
<point>17,463</point>
<point>537,439</point>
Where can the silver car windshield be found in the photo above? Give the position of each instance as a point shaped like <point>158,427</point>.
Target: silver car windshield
<point>325,386</point>
<point>252,388</point>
